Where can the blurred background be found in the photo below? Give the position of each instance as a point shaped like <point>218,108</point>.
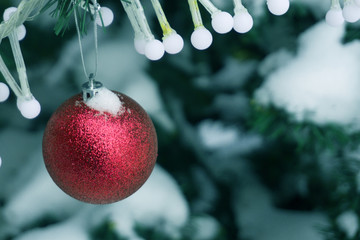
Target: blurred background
<point>258,135</point>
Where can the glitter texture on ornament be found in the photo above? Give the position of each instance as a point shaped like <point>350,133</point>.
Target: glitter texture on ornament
<point>98,157</point>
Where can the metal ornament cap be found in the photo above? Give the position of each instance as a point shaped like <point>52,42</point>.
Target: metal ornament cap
<point>97,157</point>
<point>90,89</point>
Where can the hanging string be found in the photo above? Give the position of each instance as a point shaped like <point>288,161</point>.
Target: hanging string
<point>92,75</point>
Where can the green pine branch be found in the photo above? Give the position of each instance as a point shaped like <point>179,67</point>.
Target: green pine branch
<point>64,11</point>
<point>29,9</point>
<point>276,124</point>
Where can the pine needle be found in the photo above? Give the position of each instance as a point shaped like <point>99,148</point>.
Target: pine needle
<point>64,13</point>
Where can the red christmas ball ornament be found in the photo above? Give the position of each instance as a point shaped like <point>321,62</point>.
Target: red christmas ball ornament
<point>98,155</point>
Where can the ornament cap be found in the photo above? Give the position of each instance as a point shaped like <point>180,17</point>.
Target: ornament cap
<point>91,88</point>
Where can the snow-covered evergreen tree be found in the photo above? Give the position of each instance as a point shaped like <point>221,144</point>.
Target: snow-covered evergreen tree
<point>258,134</point>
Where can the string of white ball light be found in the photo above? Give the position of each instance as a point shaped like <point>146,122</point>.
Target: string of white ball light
<point>337,14</point>
<point>144,41</point>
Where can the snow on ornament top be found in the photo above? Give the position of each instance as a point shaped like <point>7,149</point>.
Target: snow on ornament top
<point>320,84</point>
<point>106,101</point>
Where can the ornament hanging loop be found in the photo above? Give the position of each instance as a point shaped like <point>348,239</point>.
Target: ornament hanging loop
<point>91,85</point>
<point>91,80</point>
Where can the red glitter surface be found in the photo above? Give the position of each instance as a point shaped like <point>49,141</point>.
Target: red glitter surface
<point>97,157</point>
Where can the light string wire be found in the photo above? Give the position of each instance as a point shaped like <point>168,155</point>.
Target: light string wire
<point>239,7</point>
<point>10,79</point>
<point>133,20</point>
<point>8,29</point>
<point>141,19</point>
<point>209,6</point>
<point>25,9</point>
<point>335,3</point>
<point>20,64</point>
<point>164,24</point>
<point>92,75</point>
<point>195,14</point>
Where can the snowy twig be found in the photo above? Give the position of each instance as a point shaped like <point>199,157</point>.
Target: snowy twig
<point>193,141</point>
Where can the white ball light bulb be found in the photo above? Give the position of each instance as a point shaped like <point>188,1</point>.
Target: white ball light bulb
<point>154,50</point>
<point>334,17</point>
<point>243,22</point>
<point>8,12</point>
<point>21,32</point>
<point>29,108</point>
<point>351,12</point>
<point>222,22</point>
<point>4,92</point>
<point>173,43</point>
<point>201,38</point>
<point>107,17</point>
<point>278,7</point>
<point>139,44</point>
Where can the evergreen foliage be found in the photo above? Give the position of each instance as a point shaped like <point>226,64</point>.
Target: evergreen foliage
<point>291,151</point>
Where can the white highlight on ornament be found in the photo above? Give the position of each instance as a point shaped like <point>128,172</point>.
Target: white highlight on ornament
<point>173,43</point>
<point>222,22</point>
<point>0,162</point>
<point>105,101</point>
<point>21,30</point>
<point>29,108</point>
<point>154,50</point>
<point>4,92</point>
<point>351,12</point>
<point>278,7</point>
<point>201,38</point>
<point>107,17</point>
<point>243,22</point>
